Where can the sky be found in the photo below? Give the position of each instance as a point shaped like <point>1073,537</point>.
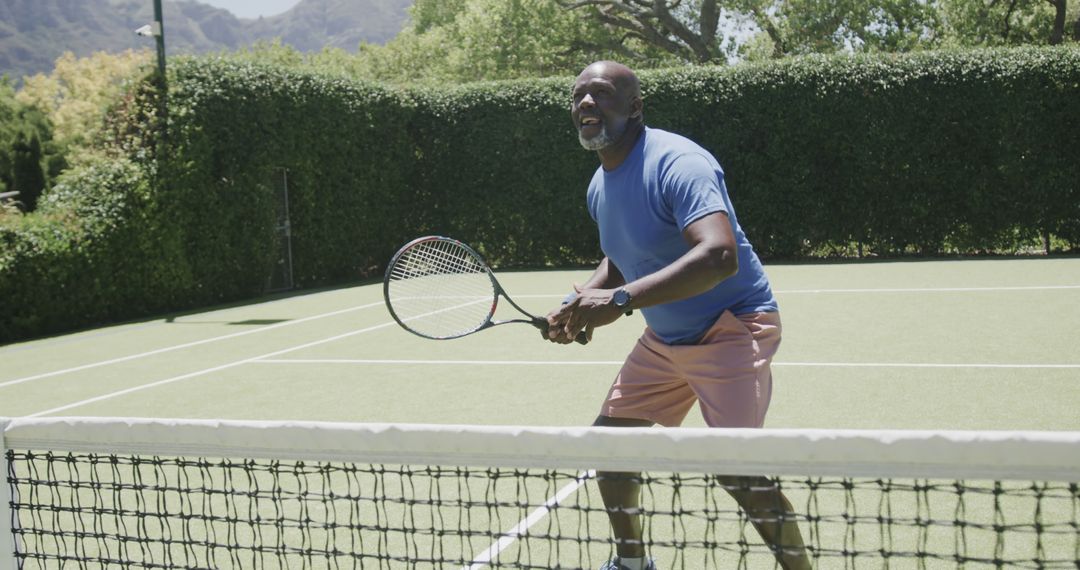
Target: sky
<point>253,8</point>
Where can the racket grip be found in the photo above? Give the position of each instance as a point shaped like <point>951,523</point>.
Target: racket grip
<point>542,324</point>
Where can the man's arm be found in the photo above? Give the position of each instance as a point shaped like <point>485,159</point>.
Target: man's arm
<point>606,276</point>
<point>712,257</point>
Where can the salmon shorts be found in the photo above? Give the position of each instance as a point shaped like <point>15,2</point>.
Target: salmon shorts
<point>727,373</point>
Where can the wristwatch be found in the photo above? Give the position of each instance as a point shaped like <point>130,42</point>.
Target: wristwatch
<point>622,299</point>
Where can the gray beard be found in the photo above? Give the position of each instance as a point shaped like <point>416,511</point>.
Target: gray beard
<point>599,142</point>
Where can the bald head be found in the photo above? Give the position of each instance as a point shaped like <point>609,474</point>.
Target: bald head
<point>623,77</point>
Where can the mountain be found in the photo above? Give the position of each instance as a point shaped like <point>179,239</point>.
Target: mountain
<point>33,33</point>
<point>314,24</point>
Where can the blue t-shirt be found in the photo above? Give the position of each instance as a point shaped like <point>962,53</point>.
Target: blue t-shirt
<point>642,207</point>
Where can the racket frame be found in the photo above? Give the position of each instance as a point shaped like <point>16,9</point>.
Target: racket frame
<point>497,291</point>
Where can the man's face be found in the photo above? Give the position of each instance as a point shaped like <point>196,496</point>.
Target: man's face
<point>600,110</point>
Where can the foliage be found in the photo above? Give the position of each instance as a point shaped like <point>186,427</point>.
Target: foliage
<point>470,40</point>
<point>19,125</point>
<point>703,30</point>
<point>690,31</point>
<point>93,252</point>
<point>1022,22</point>
<point>858,25</point>
<point>477,40</point>
<point>934,152</point>
<point>329,60</point>
<point>59,118</point>
<point>428,14</point>
<point>461,41</point>
<point>929,153</point>
<point>77,94</point>
<point>235,126</point>
<point>464,41</point>
<point>27,173</point>
<point>98,247</point>
<point>10,124</point>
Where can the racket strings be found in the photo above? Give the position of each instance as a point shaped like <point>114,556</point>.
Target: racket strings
<point>440,289</point>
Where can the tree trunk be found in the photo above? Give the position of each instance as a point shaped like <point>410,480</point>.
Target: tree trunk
<point>1058,33</point>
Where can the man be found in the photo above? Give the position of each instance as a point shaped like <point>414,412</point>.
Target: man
<point>674,250</point>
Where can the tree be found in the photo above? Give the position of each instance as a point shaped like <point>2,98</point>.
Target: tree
<point>996,22</point>
<point>77,94</point>
<point>706,30</point>
<point>428,14</point>
<point>667,24</point>
<point>709,30</point>
<point>27,174</point>
<point>17,118</point>
<point>473,40</point>
<point>1057,34</point>
<point>874,25</point>
<point>8,127</point>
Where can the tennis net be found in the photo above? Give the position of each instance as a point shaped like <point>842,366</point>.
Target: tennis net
<point>141,493</point>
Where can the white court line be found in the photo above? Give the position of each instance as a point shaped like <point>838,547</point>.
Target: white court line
<point>180,346</point>
<point>887,290</point>
<point>619,362</point>
<point>545,296</point>
<point>933,289</point>
<point>225,366</point>
<point>469,362</point>
<point>526,523</point>
<point>205,371</point>
<point>921,365</point>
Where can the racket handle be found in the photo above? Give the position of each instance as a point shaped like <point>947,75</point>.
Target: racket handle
<point>542,324</point>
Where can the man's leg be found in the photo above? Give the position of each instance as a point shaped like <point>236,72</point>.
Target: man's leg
<point>647,386</point>
<point>734,386</point>
<point>621,492</point>
<point>773,516</point>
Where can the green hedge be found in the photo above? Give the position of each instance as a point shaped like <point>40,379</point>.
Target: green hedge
<point>347,151</point>
<point>501,169</point>
<point>95,251</point>
<point>945,152</point>
<point>928,153</point>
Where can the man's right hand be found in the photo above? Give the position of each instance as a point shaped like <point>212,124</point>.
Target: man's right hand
<point>557,319</point>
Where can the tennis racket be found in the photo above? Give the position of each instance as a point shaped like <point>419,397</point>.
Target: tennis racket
<point>440,288</point>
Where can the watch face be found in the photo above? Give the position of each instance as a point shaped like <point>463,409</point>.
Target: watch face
<point>621,298</point>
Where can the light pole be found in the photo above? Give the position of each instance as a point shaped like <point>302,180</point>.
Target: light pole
<point>157,29</point>
<point>159,35</point>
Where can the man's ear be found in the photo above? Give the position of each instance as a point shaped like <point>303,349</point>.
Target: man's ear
<point>637,108</point>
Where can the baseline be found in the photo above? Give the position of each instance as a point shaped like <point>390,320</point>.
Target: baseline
<point>359,361</point>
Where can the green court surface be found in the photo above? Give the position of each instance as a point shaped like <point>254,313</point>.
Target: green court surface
<point>942,345</point>
<point>971,344</point>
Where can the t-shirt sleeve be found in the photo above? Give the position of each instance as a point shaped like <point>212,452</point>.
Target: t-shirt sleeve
<point>590,201</point>
<point>693,188</point>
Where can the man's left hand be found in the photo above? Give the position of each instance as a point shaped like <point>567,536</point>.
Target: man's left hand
<point>590,309</point>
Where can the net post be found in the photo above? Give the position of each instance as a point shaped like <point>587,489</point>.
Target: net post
<point>7,532</point>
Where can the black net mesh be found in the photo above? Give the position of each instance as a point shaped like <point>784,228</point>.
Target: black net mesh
<point>85,510</point>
